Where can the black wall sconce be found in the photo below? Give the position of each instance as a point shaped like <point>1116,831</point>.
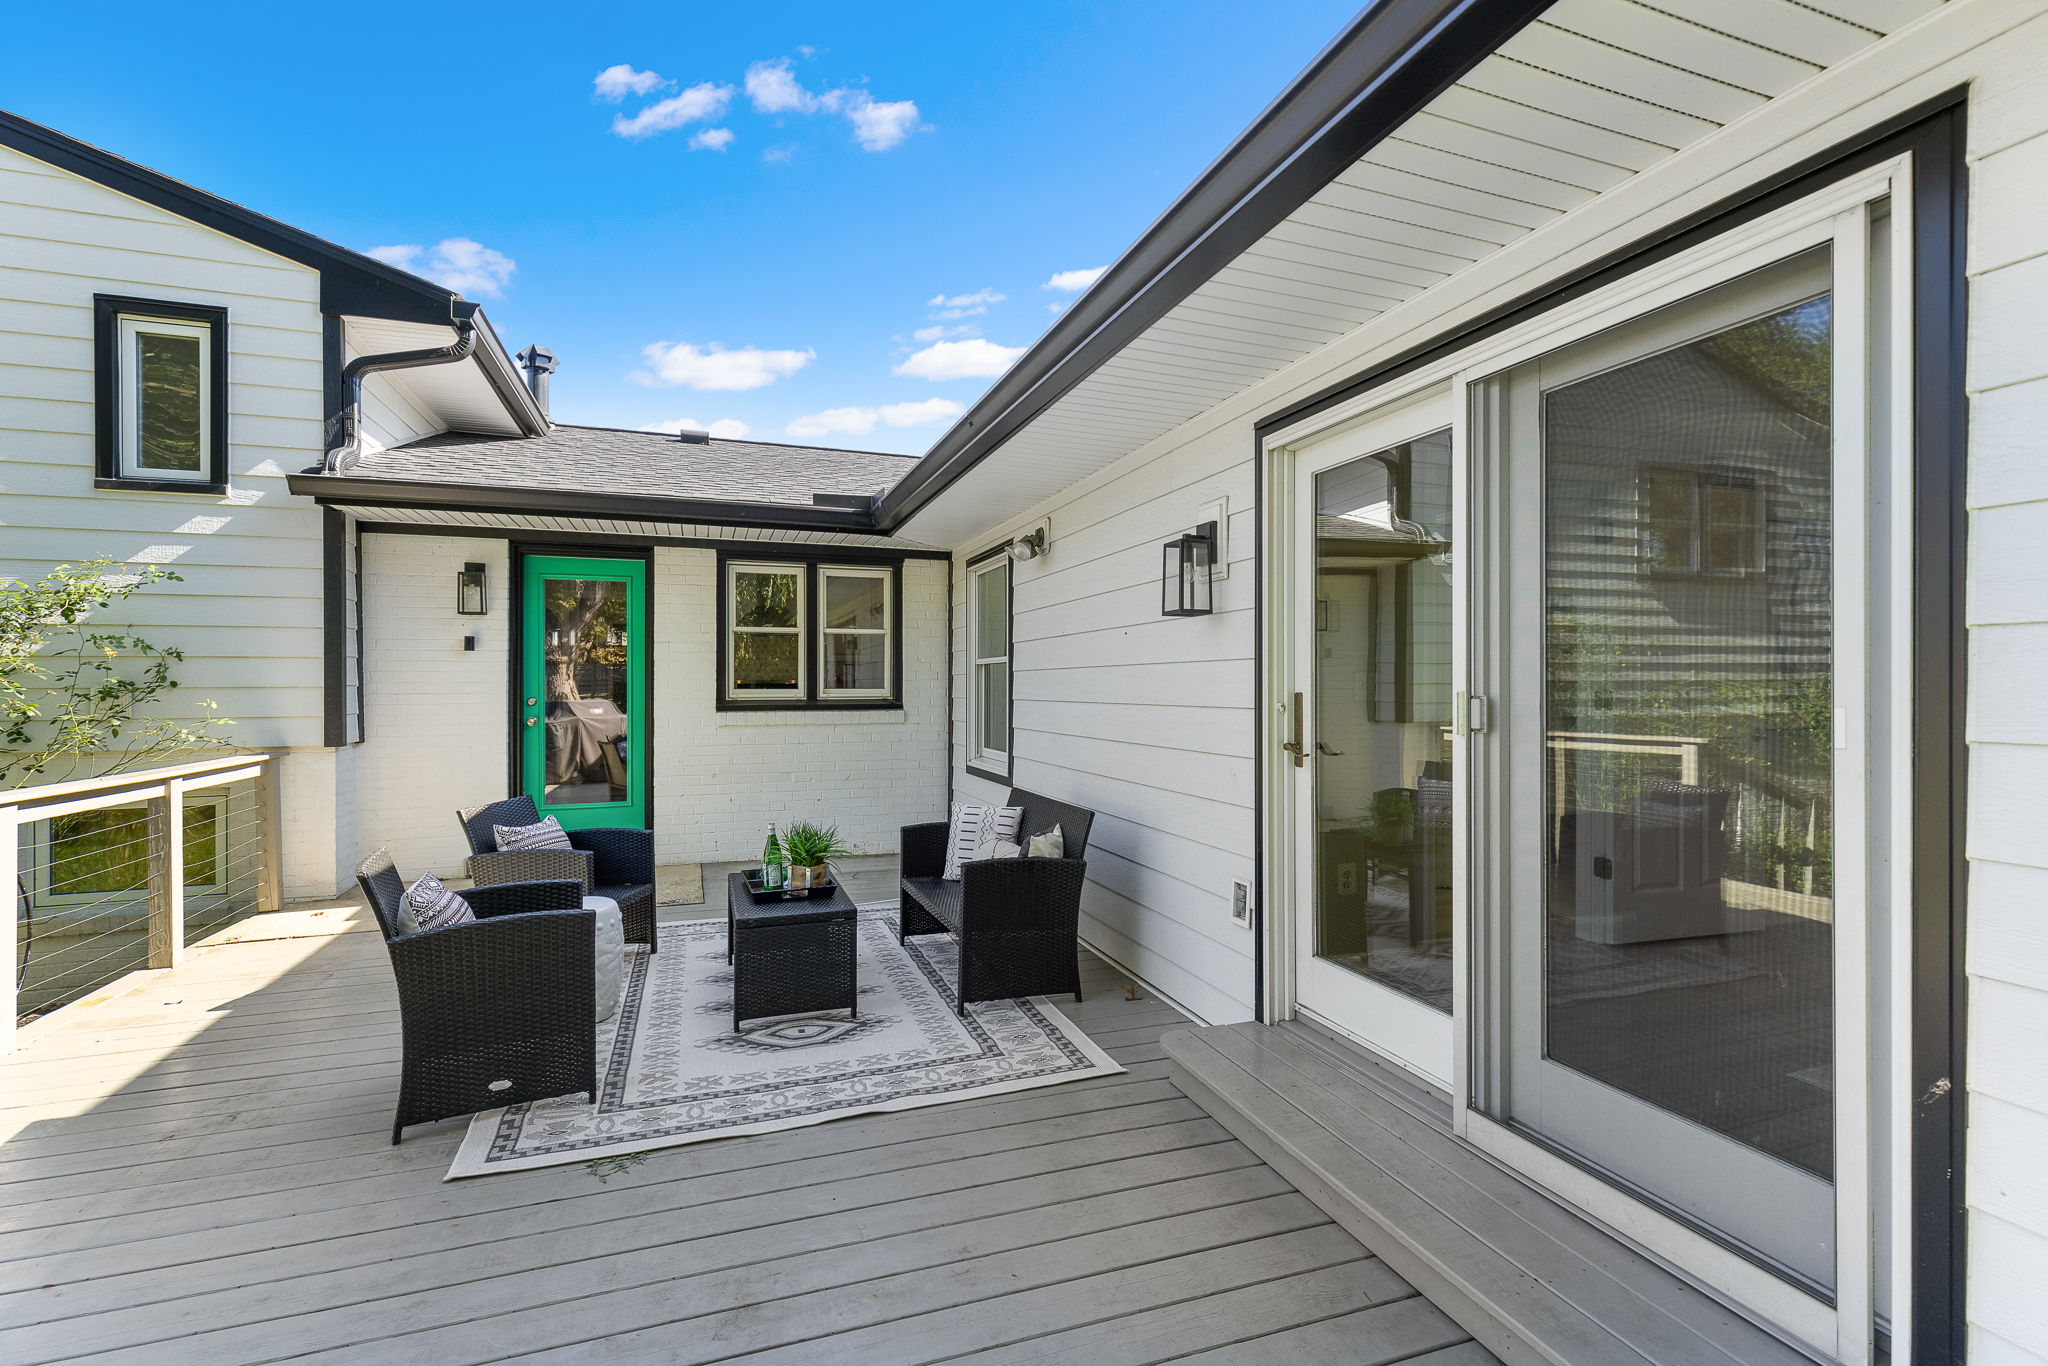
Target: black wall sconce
<point>470,599</point>
<point>1185,589</point>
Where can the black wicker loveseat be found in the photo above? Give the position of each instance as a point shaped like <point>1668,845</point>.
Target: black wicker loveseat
<point>494,1011</point>
<point>1017,919</point>
<point>617,863</point>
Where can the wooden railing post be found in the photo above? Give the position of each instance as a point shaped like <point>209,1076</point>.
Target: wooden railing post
<point>10,879</point>
<point>270,824</point>
<point>167,876</point>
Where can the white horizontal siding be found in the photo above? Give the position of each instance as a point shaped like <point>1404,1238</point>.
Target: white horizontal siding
<point>248,610</point>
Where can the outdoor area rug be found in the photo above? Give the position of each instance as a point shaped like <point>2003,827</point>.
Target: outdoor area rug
<point>672,1071</point>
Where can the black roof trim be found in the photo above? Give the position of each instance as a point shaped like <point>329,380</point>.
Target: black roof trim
<point>1393,59</point>
<point>345,491</point>
<point>350,282</point>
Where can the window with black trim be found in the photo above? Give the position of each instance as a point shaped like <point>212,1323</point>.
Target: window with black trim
<point>160,381</point>
<point>988,663</point>
<point>1700,522</point>
<point>809,634</point>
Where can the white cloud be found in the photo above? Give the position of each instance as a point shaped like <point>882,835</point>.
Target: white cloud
<point>861,421</point>
<point>963,305</point>
<point>725,429</point>
<point>1074,281</point>
<point>614,83</point>
<point>695,105</point>
<point>715,368</point>
<point>463,265</point>
<point>774,89</point>
<point>711,139</point>
<point>778,154</point>
<point>975,358</point>
<point>879,125</point>
<point>936,332</point>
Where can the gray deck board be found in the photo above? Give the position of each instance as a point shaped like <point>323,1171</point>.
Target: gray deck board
<point>197,1172</point>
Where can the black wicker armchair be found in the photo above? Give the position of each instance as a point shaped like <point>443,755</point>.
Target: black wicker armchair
<point>1017,920</point>
<point>495,1011</point>
<point>615,863</point>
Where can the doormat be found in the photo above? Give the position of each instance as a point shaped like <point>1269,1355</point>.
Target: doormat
<point>672,1071</point>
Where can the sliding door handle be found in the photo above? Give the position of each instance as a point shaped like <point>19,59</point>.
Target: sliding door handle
<point>1295,746</point>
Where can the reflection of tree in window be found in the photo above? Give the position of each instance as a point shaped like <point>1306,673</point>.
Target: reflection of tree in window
<point>765,644</point>
<point>587,640</point>
<point>167,381</point>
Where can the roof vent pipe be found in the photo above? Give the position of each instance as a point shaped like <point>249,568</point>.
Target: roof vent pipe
<point>538,362</point>
<point>345,428</point>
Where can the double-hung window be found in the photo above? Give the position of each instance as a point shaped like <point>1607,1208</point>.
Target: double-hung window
<point>161,379</point>
<point>988,687</point>
<point>809,635</point>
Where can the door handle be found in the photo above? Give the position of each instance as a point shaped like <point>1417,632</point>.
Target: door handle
<point>1295,746</point>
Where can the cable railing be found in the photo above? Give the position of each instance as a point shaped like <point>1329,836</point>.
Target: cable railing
<point>119,874</point>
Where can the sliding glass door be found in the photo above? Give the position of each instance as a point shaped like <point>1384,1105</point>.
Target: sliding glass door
<point>1668,695</point>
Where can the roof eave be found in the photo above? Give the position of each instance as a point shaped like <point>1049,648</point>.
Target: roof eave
<point>348,491</point>
<point>1391,61</point>
<point>350,282</point>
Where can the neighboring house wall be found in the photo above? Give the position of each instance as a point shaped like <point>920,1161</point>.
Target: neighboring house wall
<point>722,776</point>
<point>248,611</point>
<point>1167,703</point>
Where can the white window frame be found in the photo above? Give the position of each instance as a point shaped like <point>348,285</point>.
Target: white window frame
<point>978,753</point>
<point>885,576</point>
<point>733,629</point>
<point>45,881</point>
<point>130,328</point>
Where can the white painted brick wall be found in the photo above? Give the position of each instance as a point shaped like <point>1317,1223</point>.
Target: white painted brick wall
<point>721,777</point>
<point>434,714</point>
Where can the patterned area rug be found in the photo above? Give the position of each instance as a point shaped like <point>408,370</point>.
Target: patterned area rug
<point>672,1071</point>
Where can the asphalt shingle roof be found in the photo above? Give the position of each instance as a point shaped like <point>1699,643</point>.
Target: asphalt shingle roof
<point>650,464</point>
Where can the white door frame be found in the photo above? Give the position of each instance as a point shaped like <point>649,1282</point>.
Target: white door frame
<point>1873,1172</point>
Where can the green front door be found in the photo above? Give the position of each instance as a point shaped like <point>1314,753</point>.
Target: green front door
<point>583,689</point>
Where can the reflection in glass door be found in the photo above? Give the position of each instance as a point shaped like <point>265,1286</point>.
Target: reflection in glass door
<point>1667,570</point>
<point>583,690</point>
<point>1374,632</point>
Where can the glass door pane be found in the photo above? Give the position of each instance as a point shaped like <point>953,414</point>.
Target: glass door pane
<point>1666,575</point>
<point>1382,689</point>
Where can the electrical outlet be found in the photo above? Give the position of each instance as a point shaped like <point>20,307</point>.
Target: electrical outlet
<point>1241,903</point>
<point>1347,879</point>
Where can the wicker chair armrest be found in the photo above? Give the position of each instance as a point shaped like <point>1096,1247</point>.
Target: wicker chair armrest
<point>516,975</point>
<point>623,855</point>
<point>924,849</point>
<point>498,899</point>
<point>1013,894</point>
<point>532,865</point>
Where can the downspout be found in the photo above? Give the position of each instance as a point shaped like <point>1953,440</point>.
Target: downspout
<point>345,427</point>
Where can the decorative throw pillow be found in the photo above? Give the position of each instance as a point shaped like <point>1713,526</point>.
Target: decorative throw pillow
<point>1052,844</point>
<point>970,820</point>
<point>994,845</point>
<point>427,905</point>
<point>549,834</point>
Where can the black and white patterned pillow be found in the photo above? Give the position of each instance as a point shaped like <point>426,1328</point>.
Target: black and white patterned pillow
<point>427,905</point>
<point>972,820</point>
<point>549,834</point>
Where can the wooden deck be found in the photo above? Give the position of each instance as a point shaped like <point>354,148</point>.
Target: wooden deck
<point>198,1172</point>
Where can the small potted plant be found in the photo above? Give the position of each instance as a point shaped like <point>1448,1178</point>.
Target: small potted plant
<point>809,848</point>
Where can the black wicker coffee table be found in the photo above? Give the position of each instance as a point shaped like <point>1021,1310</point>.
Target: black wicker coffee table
<point>791,957</point>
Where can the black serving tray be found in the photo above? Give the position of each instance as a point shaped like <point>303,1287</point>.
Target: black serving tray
<point>764,896</point>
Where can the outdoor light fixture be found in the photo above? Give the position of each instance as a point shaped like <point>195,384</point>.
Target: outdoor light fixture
<point>1029,546</point>
<point>1184,587</point>
<point>469,592</point>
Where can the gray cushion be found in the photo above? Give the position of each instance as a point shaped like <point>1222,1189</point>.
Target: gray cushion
<point>611,954</point>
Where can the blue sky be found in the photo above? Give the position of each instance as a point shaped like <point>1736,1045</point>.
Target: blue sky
<point>759,217</point>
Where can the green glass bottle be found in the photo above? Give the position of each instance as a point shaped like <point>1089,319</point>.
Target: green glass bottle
<point>773,867</point>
